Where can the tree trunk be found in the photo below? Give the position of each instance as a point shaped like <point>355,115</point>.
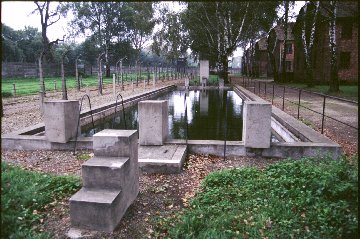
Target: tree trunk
<point>77,74</point>
<point>63,81</point>
<point>224,70</point>
<point>334,80</point>
<point>42,83</point>
<point>283,66</point>
<point>99,75</point>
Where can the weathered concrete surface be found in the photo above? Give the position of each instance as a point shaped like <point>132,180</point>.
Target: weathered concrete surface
<point>256,124</point>
<point>153,122</point>
<point>110,182</point>
<point>61,118</point>
<point>221,83</point>
<point>162,159</point>
<point>187,82</point>
<point>204,69</point>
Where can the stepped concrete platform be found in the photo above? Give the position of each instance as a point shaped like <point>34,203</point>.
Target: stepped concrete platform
<point>168,158</point>
<point>95,209</point>
<point>110,182</point>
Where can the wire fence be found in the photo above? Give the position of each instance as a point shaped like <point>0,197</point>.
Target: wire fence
<point>317,103</point>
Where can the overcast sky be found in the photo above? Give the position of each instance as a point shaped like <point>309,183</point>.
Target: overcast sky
<point>17,15</point>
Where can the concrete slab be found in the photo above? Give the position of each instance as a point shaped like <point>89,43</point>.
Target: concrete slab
<point>168,158</point>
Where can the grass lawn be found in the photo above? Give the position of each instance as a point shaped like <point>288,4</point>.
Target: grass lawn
<point>30,86</point>
<point>24,194</point>
<point>305,198</point>
<point>346,91</point>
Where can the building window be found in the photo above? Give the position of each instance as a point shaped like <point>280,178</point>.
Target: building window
<point>344,60</point>
<point>346,30</point>
<point>288,48</point>
<point>288,66</point>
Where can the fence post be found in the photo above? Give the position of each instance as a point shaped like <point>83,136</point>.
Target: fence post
<point>254,83</point>
<point>265,89</point>
<point>283,99</point>
<point>114,86</point>
<point>259,87</point>
<point>55,86</point>
<point>323,116</point>
<point>298,116</point>
<point>14,90</point>
<point>272,100</point>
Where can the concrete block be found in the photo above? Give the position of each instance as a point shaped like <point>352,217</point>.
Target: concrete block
<point>153,122</point>
<point>221,83</point>
<point>94,209</point>
<point>204,81</point>
<point>61,118</point>
<point>257,124</point>
<point>105,172</point>
<point>113,143</point>
<point>187,82</point>
<point>204,69</point>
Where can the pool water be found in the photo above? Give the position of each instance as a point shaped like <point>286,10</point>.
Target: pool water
<point>205,116</point>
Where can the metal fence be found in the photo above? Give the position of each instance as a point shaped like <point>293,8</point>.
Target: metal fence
<point>272,90</point>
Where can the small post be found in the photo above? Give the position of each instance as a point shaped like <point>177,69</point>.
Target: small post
<point>54,86</point>
<point>154,78</point>
<point>14,90</point>
<point>259,87</point>
<point>114,86</point>
<point>272,100</point>
<point>132,84</point>
<point>283,107</point>
<point>144,84</point>
<point>265,89</point>
<point>298,116</point>
<point>323,116</point>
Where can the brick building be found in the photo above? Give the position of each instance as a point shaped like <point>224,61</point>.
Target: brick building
<point>262,66</point>
<point>275,42</point>
<point>346,40</point>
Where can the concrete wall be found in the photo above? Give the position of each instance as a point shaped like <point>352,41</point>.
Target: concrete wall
<point>204,69</point>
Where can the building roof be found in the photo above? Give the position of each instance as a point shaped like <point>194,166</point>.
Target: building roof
<point>262,44</point>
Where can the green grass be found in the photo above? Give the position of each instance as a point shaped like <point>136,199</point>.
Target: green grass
<point>30,86</point>
<point>305,198</point>
<point>24,195</point>
<point>346,91</point>
<point>213,80</point>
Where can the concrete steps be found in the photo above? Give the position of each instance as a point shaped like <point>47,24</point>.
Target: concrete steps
<point>104,172</point>
<point>110,182</point>
<point>93,208</point>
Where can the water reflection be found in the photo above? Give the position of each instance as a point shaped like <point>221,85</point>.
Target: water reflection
<point>205,115</point>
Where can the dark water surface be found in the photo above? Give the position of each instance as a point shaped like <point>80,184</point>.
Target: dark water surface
<point>205,115</point>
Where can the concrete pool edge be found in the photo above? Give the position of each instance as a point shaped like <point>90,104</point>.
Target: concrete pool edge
<point>314,144</point>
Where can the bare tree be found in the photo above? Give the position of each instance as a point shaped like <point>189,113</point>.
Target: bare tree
<point>100,72</point>
<point>308,41</point>
<point>334,80</point>
<point>47,18</point>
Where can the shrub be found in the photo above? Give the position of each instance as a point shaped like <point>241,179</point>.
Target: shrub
<point>305,198</point>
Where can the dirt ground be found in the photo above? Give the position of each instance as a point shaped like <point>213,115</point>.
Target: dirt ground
<point>160,195</point>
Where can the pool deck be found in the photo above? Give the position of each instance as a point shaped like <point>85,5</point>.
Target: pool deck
<point>167,158</point>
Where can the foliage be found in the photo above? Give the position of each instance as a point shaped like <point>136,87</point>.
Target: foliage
<point>20,45</point>
<point>216,29</point>
<point>307,198</point>
<point>24,196</point>
<point>171,40</point>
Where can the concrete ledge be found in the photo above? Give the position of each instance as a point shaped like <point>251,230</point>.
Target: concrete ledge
<point>162,159</point>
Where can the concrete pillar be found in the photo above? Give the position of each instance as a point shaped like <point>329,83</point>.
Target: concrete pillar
<point>153,122</point>
<point>256,124</point>
<point>204,69</point>
<point>203,82</point>
<point>221,83</point>
<point>61,118</point>
<point>114,86</point>
<point>110,181</point>
<point>187,82</point>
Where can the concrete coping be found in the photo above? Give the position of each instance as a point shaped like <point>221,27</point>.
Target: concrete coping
<point>115,133</point>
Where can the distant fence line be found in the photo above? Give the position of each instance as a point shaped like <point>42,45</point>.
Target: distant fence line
<point>31,70</point>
